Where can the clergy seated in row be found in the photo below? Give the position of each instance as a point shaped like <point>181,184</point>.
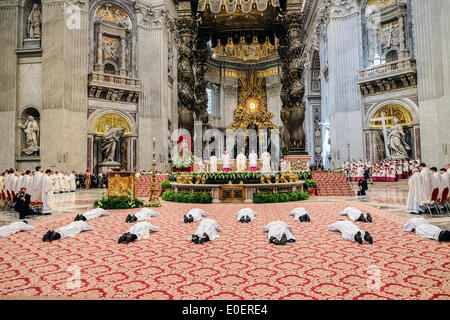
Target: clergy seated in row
<point>421,185</point>
<point>424,229</point>
<point>206,231</point>
<point>194,215</point>
<point>350,231</point>
<point>300,214</point>
<point>279,232</point>
<point>69,231</point>
<point>356,214</point>
<point>92,214</point>
<point>139,231</point>
<point>246,215</point>
<point>142,215</point>
<point>15,227</point>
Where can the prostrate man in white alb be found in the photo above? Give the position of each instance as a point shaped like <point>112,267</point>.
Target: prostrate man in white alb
<point>300,214</point>
<point>194,215</point>
<point>92,214</point>
<point>138,231</point>
<point>206,231</point>
<point>356,214</point>
<point>246,215</point>
<point>279,232</point>
<point>424,229</point>
<point>350,231</point>
<point>69,231</point>
<point>142,215</point>
<point>10,229</point>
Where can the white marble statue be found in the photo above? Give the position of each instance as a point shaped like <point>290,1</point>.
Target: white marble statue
<point>110,140</point>
<point>398,147</point>
<point>31,130</point>
<point>34,23</point>
<point>241,162</point>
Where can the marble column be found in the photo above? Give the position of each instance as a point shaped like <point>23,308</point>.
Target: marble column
<point>432,25</point>
<point>8,64</point>
<point>65,67</point>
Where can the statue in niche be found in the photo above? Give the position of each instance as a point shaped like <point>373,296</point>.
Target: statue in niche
<point>110,140</point>
<point>34,23</point>
<point>373,25</point>
<point>398,147</point>
<point>31,130</point>
<point>111,50</point>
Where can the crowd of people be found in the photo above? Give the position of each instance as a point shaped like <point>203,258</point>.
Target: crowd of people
<point>382,171</point>
<point>26,190</point>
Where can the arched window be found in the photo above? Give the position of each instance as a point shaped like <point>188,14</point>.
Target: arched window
<point>391,56</point>
<point>109,69</point>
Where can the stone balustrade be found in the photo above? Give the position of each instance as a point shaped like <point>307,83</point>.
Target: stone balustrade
<point>113,87</point>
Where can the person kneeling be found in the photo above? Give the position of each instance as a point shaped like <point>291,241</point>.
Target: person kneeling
<point>424,229</point>
<point>300,214</point>
<point>194,215</point>
<point>246,215</point>
<point>22,204</point>
<point>139,231</point>
<point>351,232</point>
<point>69,231</point>
<point>142,215</point>
<point>206,231</point>
<point>279,232</point>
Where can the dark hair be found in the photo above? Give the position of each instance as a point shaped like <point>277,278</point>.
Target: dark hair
<point>48,171</point>
<point>422,165</point>
<point>23,188</point>
<point>433,169</point>
<point>38,168</point>
<point>443,169</point>
<point>27,172</point>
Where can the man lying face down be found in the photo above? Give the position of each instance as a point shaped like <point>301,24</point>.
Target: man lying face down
<point>424,229</point>
<point>15,227</point>
<point>350,231</point>
<point>356,214</point>
<point>300,214</point>
<point>246,215</point>
<point>92,214</point>
<point>279,232</point>
<point>142,215</point>
<point>69,231</point>
<point>139,231</point>
<point>194,215</point>
<point>206,231</point>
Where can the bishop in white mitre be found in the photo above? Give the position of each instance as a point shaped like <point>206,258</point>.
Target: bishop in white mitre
<point>253,161</point>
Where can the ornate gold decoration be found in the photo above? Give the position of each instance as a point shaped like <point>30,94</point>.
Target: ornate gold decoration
<point>390,112</point>
<point>112,12</point>
<point>252,108</point>
<point>380,3</point>
<point>243,52</point>
<point>121,184</point>
<point>154,199</point>
<point>231,6</point>
<point>112,120</point>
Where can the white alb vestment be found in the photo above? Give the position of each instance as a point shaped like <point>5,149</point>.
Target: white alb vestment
<point>73,182</point>
<point>347,228</point>
<point>208,226</point>
<point>142,229</point>
<point>241,162</point>
<point>226,160</point>
<point>352,213</point>
<point>74,228</point>
<point>47,193</point>
<point>36,192</point>
<point>196,214</point>
<point>277,229</point>
<point>427,182</point>
<point>416,194</point>
<point>14,227</point>
<point>28,183</point>
<point>146,214</point>
<point>423,228</point>
<point>246,212</point>
<point>253,159</point>
<point>266,162</point>
<point>19,183</point>
<point>213,164</point>
<point>412,223</point>
<point>95,213</point>
<point>298,212</point>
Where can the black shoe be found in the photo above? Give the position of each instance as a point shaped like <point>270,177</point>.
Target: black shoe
<point>132,237</point>
<point>195,239</point>
<point>47,235</point>
<point>292,240</point>
<point>301,218</point>
<point>191,219</point>
<point>185,219</point>
<point>358,237</point>
<point>444,236</point>
<point>83,218</point>
<point>362,218</point>
<point>242,219</point>
<point>247,219</point>
<point>76,218</point>
<point>369,217</point>
<point>307,218</point>
<point>54,236</point>
<point>272,240</point>
<point>276,241</point>
<point>128,218</point>
<point>283,240</point>
<point>368,237</point>
<point>25,221</point>
<point>121,239</point>
<point>205,238</point>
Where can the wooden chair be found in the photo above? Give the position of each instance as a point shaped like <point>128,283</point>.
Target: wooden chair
<point>443,200</point>
<point>431,203</point>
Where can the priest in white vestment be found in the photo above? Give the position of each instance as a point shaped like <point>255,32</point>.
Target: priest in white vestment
<point>92,214</point>
<point>19,182</point>
<point>253,161</point>
<point>266,162</point>
<point>213,164</point>
<point>67,180</point>
<point>300,214</point>
<point>226,162</point>
<point>47,192</point>
<point>241,162</point>
<point>73,182</point>
<point>206,231</point>
<point>10,229</point>
<point>416,198</point>
<point>356,214</point>
<point>246,215</point>
<point>279,232</point>
<point>68,231</point>
<point>139,231</point>
<point>194,215</point>
<point>427,181</point>
<point>424,229</point>
<point>142,215</point>
<point>36,190</point>
<point>351,232</point>
<point>28,181</point>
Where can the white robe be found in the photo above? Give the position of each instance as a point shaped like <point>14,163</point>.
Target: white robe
<point>146,214</point>
<point>241,162</point>
<point>253,159</point>
<point>14,227</point>
<point>284,166</point>
<point>11,182</point>
<point>412,224</point>
<point>67,180</point>
<point>47,193</point>
<point>246,212</point>
<point>19,183</point>
<point>95,213</point>
<point>74,228</point>
<point>196,214</point>
<point>200,166</point>
<point>266,162</point>
<point>226,161</point>
<point>208,226</point>
<point>428,231</point>
<point>352,213</point>
<point>298,212</point>
<point>36,192</point>
<point>142,229</point>
<point>347,228</point>
<point>213,164</point>
<point>28,183</point>
<point>427,182</point>
<point>277,229</point>
<point>55,184</point>
<point>416,194</point>
<point>73,183</point>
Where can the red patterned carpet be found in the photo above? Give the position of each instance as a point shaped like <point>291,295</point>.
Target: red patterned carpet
<point>241,265</point>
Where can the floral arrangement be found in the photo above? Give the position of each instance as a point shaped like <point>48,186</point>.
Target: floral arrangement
<point>128,202</point>
<point>182,162</point>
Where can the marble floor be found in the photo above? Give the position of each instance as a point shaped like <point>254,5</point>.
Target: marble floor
<point>390,197</point>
